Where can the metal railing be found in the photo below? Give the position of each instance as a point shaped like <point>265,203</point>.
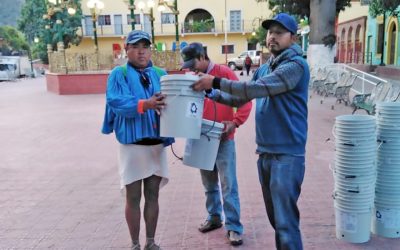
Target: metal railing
<point>215,26</point>
<point>365,81</point>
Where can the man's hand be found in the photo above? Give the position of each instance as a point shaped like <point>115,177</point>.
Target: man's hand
<point>155,102</point>
<point>229,126</point>
<point>205,82</point>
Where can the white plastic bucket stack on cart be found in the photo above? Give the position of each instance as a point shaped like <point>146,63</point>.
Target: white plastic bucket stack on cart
<point>386,218</point>
<point>354,172</point>
<point>184,107</point>
<point>202,153</point>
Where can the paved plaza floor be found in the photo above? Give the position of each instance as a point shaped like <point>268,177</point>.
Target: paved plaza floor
<point>59,183</point>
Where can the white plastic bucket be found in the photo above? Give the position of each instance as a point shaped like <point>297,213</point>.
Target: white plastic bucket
<point>354,162</point>
<point>353,177</point>
<point>184,107</point>
<point>395,106</point>
<point>386,222</point>
<point>362,205</point>
<point>352,227</point>
<point>202,153</point>
<point>355,119</point>
<point>385,201</point>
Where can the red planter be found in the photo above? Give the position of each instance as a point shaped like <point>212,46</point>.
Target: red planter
<point>77,84</point>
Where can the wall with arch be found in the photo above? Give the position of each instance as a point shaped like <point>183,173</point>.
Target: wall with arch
<point>391,48</point>
<point>351,40</point>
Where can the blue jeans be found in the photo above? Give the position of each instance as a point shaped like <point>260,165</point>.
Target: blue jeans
<point>225,167</point>
<point>281,177</point>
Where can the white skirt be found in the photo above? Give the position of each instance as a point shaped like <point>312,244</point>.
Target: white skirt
<point>137,162</point>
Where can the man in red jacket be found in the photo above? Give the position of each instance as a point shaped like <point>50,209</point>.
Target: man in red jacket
<point>196,59</point>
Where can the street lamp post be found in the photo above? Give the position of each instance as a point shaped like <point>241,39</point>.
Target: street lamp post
<point>95,6</point>
<point>253,24</point>
<point>174,8</point>
<point>132,10</point>
<point>131,7</point>
<point>259,19</point>
<point>35,40</point>
<point>150,5</point>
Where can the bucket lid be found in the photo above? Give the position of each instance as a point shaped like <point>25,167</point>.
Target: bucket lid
<point>211,123</point>
<point>388,104</point>
<point>355,118</point>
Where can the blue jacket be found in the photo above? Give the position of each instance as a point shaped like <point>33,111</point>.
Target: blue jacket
<point>281,120</point>
<point>124,90</point>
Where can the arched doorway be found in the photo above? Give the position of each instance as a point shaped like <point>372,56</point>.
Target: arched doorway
<point>391,58</point>
<point>358,54</point>
<point>199,20</point>
<point>349,49</point>
<point>342,48</point>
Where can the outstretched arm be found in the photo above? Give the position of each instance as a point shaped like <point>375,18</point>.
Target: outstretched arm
<point>281,80</point>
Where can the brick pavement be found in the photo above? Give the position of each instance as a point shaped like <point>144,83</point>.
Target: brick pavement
<point>59,186</point>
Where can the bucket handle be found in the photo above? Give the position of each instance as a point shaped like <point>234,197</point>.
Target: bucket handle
<point>380,142</point>
<point>346,176</point>
<point>213,124</point>
<point>347,143</point>
<point>335,193</point>
<point>349,176</point>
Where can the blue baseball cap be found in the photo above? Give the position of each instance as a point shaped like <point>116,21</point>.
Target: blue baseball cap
<point>287,21</point>
<point>136,35</point>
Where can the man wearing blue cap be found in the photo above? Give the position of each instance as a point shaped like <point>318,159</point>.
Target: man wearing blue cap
<point>280,87</point>
<point>132,111</point>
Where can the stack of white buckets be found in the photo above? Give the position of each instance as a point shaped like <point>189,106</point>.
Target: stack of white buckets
<point>182,117</point>
<point>354,172</point>
<point>386,217</point>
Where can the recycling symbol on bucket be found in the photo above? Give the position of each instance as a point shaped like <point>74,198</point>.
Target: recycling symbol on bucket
<point>193,108</point>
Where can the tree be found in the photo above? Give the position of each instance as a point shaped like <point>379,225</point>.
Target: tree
<point>380,7</point>
<point>384,7</point>
<point>13,40</point>
<point>322,15</point>
<point>32,24</point>
<point>301,9</point>
<point>259,37</point>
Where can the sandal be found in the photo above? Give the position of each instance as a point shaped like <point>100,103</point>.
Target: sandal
<point>135,246</point>
<point>152,246</point>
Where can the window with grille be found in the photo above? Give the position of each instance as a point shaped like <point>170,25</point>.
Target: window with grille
<point>230,49</point>
<point>104,20</point>
<point>365,2</point>
<point>137,18</point>
<point>167,18</point>
<point>235,20</point>
<point>380,39</point>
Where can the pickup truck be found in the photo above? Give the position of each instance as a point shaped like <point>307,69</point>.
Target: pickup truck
<point>237,62</point>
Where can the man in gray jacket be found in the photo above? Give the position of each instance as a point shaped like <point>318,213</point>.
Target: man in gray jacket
<point>280,87</point>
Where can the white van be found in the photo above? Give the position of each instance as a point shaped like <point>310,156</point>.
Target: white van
<point>237,62</point>
<point>12,67</point>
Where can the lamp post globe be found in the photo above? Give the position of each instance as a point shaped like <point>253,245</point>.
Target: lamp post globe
<point>71,11</point>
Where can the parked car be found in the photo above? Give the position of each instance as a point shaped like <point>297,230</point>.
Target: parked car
<point>237,62</point>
